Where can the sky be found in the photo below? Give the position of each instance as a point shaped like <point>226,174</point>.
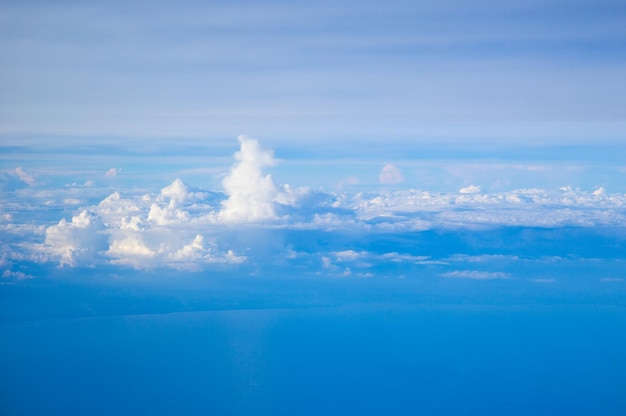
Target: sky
<point>275,207</point>
<point>527,72</point>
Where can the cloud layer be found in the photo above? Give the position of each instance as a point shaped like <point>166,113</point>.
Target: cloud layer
<point>187,228</point>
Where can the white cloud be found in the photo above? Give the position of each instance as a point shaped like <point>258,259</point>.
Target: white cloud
<point>253,196</point>
<point>24,176</point>
<point>167,248</point>
<point>134,223</point>
<point>112,172</point>
<point>180,228</point>
<point>116,210</point>
<point>348,255</point>
<point>390,175</point>
<point>522,207</point>
<point>167,208</point>
<point>76,241</point>
<point>166,213</point>
<point>140,232</point>
<point>472,189</point>
<point>10,274</point>
<point>251,193</point>
<point>130,247</point>
<point>611,279</point>
<point>191,251</point>
<point>176,191</point>
<point>484,258</point>
<point>350,180</point>
<point>408,258</point>
<point>475,274</point>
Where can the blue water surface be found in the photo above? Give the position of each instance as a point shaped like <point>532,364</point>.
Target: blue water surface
<point>310,348</point>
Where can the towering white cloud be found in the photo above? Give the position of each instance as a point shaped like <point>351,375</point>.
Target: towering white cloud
<point>251,193</point>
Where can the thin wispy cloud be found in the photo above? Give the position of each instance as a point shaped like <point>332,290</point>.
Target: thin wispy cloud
<point>475,275</point>
<point>24,175</point>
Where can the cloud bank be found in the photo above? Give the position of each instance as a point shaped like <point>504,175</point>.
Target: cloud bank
<point>181,227</point>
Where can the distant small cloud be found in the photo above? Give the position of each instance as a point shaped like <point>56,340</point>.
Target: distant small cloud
<point>611,279</point>
<point>475,274</point>
<point>24,176</point>
<point>9,274</point>
<point>327,263</point>
<point>472,189</point>
<point>347,255</point>
<point>112,172</point>
<point>390,175</point>
<point>351,180</point>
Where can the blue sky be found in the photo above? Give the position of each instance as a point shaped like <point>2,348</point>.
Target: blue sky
<point>527,72</point>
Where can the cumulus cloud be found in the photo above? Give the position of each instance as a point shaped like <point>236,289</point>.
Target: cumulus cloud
<point>472,189</point>
<point>182,227</point>
<point>78,240</point>
<point>253,196</point>
<point>140,232</point>
<point>162,248</point>
<point>348,255</point>
<point>130,250</point>
<point>167,209</point>
<point>390,175</point>
<point>523,207</point>
<point>251,193</point>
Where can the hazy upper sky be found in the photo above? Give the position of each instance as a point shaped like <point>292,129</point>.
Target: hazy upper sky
<point>523,71</point>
